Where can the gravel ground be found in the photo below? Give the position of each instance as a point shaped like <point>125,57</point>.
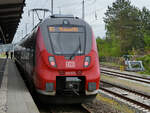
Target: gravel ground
<point>104,104</point>
<point>127,83</point>
<point>100,107</point>
<point>73,108</point>
<point>97,106</point>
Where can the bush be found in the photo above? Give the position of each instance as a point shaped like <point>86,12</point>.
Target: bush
<point>146,63</point>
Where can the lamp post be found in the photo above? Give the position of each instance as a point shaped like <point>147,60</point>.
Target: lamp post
<point>26,27</point>
<point>52,6</point>
<point>83,9</point>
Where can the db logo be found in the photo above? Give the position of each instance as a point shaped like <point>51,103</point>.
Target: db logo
<point>70,64</point>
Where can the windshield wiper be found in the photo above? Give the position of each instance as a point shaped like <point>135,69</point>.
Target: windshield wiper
<point>78,49</point>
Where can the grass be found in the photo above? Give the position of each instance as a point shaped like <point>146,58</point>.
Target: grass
<point>2,55</point>
<point>126,83</point>
<point>146,72</point>
<point>123,108</point>
<point>110,64</point>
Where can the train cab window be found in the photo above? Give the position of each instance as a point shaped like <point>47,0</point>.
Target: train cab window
<point>67,40</point>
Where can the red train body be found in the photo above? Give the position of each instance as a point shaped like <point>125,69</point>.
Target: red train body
<point>61,60</point>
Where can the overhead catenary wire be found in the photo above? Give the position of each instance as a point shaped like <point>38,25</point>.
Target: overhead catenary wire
<point>70,4</point>
<point>92,16</point>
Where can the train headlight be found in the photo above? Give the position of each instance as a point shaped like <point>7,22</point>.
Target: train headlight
<point>52,61</point>
<point>87,61</point>
<point>91,86</point>
<point>49,87</point>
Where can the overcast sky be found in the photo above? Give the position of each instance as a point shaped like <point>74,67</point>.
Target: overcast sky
<point>74,7</point>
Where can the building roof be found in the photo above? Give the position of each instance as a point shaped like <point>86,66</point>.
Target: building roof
<point>10,15</point>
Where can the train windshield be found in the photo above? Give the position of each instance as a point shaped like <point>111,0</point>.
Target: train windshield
<point>67,40</point>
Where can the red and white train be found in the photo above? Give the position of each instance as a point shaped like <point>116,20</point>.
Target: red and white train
<point>60,59</point>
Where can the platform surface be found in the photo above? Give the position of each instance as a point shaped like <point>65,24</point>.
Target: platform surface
<point>2,66</point>
<point>14,96</point>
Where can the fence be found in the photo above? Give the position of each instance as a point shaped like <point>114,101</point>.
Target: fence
<point>116,60</point>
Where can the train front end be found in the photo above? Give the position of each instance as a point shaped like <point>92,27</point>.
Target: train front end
<point>67,63</point>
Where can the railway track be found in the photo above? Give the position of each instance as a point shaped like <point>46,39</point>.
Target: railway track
<point>132,98</point>
<point>79,108</point>
<point>125,75</point>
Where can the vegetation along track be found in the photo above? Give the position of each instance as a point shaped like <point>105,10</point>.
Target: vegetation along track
<point>111,67</point>
<point>75,108</point>
<point>132,98</point>
<point>125,75</point>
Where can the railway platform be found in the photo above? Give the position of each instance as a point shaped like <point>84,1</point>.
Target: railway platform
<point>14,96</point>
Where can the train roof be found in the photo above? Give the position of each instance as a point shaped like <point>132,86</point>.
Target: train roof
<point>63,20</point>
<point>62,16</point>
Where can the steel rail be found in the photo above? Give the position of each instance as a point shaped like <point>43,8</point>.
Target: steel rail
<point>126,76</point>
<point>146,78</point>
<point>147,107</point>
<point>125,88</point>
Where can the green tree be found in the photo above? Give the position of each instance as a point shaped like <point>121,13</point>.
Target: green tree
<point>108,47</point>
<point>122,21</point>
<point>145,26</point>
